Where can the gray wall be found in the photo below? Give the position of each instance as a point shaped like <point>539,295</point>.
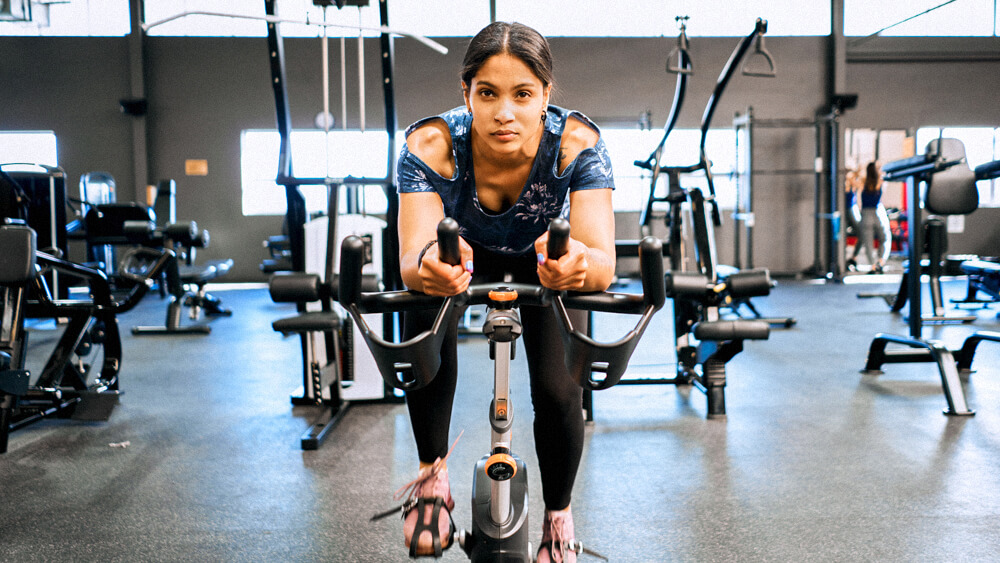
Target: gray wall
<point>203,91</point>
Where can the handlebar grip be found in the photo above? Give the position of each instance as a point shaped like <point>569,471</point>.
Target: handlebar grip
<point>448,250</point>
<point>558,238</point>
<point>651,269</point>
<point>352,252</point>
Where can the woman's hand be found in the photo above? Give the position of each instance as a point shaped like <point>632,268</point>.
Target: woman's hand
<point>569,272</point>
<point>441,279</point>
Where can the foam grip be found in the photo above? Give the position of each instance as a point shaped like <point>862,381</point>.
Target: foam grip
<point>294,288</point>
<point>182,233</point>
<point>138,231</point>
<point>18,243</point>
<point>686,284</point>
<point>448,250</point>
<point>651,270</point>
<point>558,238</point>
<point>352,254</point>
<point>753,283</point>
<point>732,330</point>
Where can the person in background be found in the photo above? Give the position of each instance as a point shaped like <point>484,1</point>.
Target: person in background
<point>871,228</point>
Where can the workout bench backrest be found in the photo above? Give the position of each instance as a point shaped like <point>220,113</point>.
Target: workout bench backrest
<point>952,191</point>
<point>17,243</point>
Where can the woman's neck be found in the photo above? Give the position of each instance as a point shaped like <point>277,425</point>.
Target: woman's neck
<point>484,156</point>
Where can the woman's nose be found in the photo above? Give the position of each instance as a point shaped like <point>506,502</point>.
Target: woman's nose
<point>504,113</point>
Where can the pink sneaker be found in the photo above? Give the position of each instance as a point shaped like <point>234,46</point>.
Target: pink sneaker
<point>558,539</point>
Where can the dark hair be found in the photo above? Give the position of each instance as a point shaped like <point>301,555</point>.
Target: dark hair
<point>872,179</point>
<point>516,39</point>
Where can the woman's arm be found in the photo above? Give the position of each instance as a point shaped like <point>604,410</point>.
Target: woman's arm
<point>590,263</point>
<point>419,214</point>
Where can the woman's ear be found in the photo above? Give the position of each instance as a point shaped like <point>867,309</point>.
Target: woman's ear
<point>465,95</point>
<point>547,95</point>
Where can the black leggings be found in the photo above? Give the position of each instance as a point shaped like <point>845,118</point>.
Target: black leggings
<point>557,399</point>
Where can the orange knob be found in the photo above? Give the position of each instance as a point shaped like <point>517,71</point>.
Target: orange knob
<point>501,467</point>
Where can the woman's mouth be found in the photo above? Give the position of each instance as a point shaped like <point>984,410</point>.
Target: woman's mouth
<point>505,135</point>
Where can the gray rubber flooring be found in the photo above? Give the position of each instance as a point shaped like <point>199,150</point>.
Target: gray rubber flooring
<point>814,462</point>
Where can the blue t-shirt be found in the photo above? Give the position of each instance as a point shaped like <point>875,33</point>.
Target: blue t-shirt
<point>543,198</point>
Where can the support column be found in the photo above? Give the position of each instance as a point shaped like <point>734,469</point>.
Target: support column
<point>137,93</point>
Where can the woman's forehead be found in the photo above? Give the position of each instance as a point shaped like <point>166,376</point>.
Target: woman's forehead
<point>504,69</point>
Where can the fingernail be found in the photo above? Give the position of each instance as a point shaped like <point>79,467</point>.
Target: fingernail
<point>541,258</point>
<point>468,266</point>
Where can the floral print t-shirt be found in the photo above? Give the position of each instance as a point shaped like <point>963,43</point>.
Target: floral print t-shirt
<point>544,196</point>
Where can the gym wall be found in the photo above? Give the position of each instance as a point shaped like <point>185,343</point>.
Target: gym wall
<point>203,91</point>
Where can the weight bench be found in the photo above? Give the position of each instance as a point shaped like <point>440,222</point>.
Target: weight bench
<point>321,384</point>
<point>184,239</point>
<point>984,276</point>
<point>64,387</point>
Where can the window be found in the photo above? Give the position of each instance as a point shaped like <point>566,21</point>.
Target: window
<point>339,155</point>
<point>982,145</point>
<point>352,153</point>
<point>76,18</point>
<point>632,183</point>
<point>957,18</point>
<point>28,147</point>
<point>440,18</point>
<point>463,18</point>
<point>655,18</point>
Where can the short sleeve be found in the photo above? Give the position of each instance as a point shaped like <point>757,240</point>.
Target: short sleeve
<point>592,169</point>
<point>412,174</point>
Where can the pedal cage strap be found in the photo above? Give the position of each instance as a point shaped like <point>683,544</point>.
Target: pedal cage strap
<point>421,527</point>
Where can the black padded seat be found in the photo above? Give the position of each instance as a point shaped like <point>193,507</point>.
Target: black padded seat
<point>318,321</point>
<point>204,273</point>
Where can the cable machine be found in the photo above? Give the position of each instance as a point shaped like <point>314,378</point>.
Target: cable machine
<point>747,173</point>
<point>827,227</point>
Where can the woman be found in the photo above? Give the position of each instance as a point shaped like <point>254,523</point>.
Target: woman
<point>871,226</point>
<point>503,166</point>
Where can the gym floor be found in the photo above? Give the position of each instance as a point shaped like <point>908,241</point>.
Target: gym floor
<point>815,462</point>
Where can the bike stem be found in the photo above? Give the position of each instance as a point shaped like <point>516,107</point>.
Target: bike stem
<point>502,328</point>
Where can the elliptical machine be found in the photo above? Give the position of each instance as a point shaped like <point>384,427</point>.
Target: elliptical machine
<point>500,489</point>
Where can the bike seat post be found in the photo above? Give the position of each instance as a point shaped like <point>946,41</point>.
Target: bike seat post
<point>502,328</point>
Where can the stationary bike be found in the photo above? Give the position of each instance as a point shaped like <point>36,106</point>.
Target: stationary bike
<point>500,484</point>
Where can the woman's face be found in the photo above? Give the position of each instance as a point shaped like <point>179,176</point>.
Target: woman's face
<point>506,100</point>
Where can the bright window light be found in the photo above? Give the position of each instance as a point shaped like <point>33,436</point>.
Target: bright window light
<point>654,18</point>
<point>29,147</point>
<point>341,154</point>
<point>681,149</point>
<point>352,153</point>
<point>440,18</point>
<point>959,18</point>
<point>80,18</point>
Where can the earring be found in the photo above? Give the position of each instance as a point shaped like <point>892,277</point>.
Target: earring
<point>543,116</point>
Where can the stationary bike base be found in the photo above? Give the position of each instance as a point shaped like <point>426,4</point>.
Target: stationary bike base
<point>507,542</point>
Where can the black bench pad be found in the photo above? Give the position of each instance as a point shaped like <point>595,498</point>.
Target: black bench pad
<point>318,321</point>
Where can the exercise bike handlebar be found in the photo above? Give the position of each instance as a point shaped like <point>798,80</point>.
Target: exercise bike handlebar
<point>413,364</point>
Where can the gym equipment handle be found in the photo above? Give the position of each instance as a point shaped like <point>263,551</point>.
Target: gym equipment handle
<point>558,238</point>
<point>448,250</point>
